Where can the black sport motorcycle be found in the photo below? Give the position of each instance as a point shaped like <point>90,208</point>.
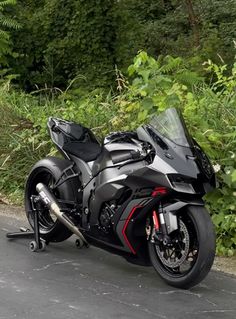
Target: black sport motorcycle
<point>138,194</point>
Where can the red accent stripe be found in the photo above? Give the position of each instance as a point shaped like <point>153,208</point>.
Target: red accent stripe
<point>159,191</point>
<point>126,225</point>
<point>155,220</point>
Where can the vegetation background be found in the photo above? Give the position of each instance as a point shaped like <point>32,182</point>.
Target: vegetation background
<point>110,64</point>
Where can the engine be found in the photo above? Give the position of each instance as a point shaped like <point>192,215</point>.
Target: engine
<point>106,218</point>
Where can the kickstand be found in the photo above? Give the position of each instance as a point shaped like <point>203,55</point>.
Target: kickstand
<point>38,244</point>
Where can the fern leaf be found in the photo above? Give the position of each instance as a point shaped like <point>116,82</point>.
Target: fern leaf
<point>188,78</point>
<point>171,64</point>
<point>9,23</point>
<point>4,34</point>
<point>4,3</point>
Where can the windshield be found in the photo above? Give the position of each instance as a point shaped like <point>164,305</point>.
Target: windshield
<point>170,124</point>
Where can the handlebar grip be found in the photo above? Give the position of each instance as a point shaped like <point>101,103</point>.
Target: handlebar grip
<point>121,158</point>
<point>124,157</point>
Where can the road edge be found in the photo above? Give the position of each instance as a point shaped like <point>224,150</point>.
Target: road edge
<point>226,265</point>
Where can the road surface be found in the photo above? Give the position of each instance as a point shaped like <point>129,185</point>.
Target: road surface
<point>65,282</point>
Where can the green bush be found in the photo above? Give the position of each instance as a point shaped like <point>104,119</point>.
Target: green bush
<point>61,40</point>
<point>23,128</point>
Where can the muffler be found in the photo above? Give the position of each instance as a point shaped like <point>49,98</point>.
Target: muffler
<point>51,202</point>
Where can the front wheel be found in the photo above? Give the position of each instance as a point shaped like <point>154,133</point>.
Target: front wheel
<point>189,258</point>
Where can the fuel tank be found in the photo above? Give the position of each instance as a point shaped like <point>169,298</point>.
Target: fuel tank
<point>117,148</point>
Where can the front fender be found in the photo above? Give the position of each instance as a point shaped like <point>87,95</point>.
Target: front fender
<point>170,213</point>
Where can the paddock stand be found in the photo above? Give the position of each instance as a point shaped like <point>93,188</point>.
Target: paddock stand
<point>37,244</point>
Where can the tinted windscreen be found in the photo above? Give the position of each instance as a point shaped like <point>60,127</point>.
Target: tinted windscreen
<point>171,125</point>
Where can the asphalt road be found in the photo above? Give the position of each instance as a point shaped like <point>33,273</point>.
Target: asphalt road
<point>64,282</point>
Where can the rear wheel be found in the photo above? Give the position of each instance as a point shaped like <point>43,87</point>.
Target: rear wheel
<point>190,256</point>
<point>47,172</point>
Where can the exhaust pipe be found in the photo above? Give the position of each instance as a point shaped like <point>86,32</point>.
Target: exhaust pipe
<point>50,200</point>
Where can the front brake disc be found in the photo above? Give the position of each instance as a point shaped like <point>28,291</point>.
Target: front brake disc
<point>175,255</point>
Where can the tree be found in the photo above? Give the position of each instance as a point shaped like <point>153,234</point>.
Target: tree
<point>66,39</point>
<point>6,23</point>
<point>62,40</point>
<point>194,22</point>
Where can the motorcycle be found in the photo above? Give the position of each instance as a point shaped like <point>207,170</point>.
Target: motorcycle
<point>138,194</point>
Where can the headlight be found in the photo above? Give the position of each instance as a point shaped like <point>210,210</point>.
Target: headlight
<point>183,187</point>
<point>182,183</point>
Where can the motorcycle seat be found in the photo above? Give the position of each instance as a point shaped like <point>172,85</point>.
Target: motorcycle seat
<point>88,151</point>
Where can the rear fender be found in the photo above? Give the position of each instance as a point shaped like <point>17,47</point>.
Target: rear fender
<point>68,190</point>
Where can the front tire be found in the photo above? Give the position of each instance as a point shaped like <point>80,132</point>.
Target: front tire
<point>186,266</point>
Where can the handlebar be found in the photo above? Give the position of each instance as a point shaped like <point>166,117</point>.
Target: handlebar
<point>124,157</point>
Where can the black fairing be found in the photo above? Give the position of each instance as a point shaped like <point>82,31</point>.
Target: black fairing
<point>116,146</point>
<point>101,162</point>
<point>189,162</point>
<point>120,137</point>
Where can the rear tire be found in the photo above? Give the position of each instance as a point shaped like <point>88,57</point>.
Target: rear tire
<point>202,242</point>
<point>47,171</point>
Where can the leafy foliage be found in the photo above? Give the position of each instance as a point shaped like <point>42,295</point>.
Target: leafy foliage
<point>62,40</point>
<point>164,27</point>
<point>76,41</point>
<point>6,23</point>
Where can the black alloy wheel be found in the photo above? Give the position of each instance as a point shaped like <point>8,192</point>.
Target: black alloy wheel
<point>189,258</point>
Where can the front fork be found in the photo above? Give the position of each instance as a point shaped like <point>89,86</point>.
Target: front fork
<point>163,223</point>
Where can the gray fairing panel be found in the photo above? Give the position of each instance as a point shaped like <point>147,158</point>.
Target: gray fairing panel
<point>109,185</point>
<point>110,151</point>
<point>170,157</point>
